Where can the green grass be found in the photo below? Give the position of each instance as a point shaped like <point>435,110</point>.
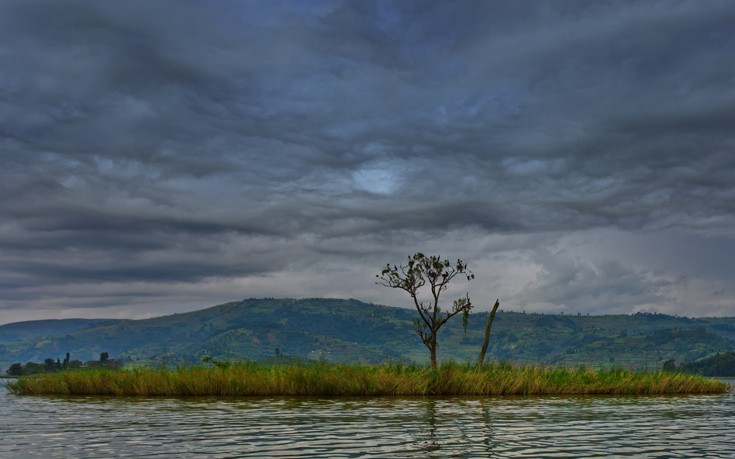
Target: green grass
<point>326,379</point>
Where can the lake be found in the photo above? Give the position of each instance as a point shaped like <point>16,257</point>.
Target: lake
<point>98,427</point>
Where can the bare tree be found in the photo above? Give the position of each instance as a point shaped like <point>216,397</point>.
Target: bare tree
<point>437,273</point>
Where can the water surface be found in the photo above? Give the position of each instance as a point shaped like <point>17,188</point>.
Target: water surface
<point>98,427</point>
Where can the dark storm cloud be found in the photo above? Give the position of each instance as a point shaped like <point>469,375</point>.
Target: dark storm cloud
<point>164,142</point>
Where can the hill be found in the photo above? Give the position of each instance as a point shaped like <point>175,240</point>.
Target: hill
<point>350,331</point>
<point>38,328</point>
<point>720,364</point>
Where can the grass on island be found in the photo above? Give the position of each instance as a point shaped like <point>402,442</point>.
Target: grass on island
<point>325,379</point>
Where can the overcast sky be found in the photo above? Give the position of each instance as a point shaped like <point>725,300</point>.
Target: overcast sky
<point>165,156</point>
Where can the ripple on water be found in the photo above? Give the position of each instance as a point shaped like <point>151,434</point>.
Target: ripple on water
<point>94,427</point>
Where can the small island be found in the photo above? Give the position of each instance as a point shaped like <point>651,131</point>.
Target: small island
<point>321,378</point>
<point>327,379</point>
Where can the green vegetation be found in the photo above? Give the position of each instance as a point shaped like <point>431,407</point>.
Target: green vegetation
<point>419,270</point>
<point>323,379</point>
<point>720,364</point>
<point>52,366</point>
<point>357,332</point>
<point>48,366</point>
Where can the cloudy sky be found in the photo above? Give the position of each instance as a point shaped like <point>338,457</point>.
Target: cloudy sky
<point>160,157</point>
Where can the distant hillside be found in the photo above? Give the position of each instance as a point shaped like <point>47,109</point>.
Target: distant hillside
<point>350,330</point>
<point>39,328</point>
<point>720,364</point>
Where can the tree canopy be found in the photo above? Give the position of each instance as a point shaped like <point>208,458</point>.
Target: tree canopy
<point>436,273</point>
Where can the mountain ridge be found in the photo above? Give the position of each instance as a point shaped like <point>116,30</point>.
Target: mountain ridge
<point>354,331</point>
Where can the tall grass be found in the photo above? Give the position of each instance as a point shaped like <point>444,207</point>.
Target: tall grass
<point>325,379</point>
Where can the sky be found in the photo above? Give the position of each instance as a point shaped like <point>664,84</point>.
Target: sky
<point>162,157</point>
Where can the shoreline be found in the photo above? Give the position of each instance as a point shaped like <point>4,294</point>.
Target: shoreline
<point>335,380</point>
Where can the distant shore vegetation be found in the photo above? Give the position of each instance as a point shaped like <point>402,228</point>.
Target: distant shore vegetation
<point>720,364</point>
<point>328,379</point>
<point>52,366</point>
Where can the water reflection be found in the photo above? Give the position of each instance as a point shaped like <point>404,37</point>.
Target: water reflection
<point>91,427</point>
<point>430,418</point>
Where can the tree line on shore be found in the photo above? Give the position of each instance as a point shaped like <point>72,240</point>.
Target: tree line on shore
<point>52,366</point>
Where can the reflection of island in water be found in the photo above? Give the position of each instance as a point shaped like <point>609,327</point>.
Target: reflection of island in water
<point>688,426</point>
<point>456,427</point>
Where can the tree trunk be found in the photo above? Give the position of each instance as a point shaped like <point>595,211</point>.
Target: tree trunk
<point>486,341</point>
<point>432,350</point>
